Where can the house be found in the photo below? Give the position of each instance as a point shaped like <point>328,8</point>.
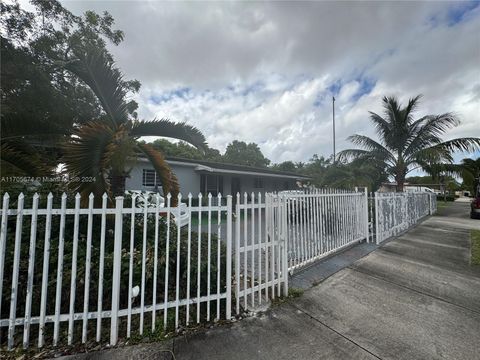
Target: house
<point>199,176</point>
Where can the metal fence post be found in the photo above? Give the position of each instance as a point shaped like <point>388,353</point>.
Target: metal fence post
<point>229,258</point>
<point>117,256</point>
<point>366,216</point>
<point>283,222</point>
<point>377,233</point>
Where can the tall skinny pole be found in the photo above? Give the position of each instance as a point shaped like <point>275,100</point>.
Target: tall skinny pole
<point>333,108</point>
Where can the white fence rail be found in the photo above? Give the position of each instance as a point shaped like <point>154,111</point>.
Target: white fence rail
<point>397,212</point>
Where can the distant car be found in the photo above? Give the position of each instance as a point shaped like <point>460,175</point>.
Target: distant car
<point>475,206</point>
<point>419,188</point>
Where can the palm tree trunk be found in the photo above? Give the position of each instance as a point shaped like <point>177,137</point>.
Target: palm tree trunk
<point>400,179</point>
<point>118,184</point>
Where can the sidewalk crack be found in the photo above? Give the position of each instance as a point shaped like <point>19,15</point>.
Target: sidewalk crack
<point>414,290</point>
<point>336,332</point>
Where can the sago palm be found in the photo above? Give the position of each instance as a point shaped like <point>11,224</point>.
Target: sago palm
<point>406,143</point>
<point>103,148</point>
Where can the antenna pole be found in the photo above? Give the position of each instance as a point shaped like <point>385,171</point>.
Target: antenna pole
<point>333,108</point>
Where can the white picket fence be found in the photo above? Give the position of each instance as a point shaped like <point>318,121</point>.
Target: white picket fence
<point>147,270</point>
<point>85,270</point>
<point>396,212</point>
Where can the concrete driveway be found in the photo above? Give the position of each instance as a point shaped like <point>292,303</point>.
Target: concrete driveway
<point>415,297</point>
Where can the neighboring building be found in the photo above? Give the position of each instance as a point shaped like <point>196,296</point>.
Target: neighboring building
<point>195,176</point>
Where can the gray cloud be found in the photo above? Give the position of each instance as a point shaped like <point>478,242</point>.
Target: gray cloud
<point>265,72</point>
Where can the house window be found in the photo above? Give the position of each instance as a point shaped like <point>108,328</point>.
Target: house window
<point>149,178</point>
<point>258,183</point>
<point>212,184</point>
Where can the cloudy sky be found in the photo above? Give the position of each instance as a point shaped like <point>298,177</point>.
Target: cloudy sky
<point>265,72</point>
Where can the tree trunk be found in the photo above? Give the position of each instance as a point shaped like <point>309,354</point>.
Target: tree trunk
<point>401,173</point>
<point>118,184</point>
<point>400,179</point>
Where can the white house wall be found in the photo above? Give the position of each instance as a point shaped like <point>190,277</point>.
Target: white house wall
<point>189,181</point>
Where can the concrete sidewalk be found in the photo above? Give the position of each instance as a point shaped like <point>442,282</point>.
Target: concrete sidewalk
<point>415,297</point>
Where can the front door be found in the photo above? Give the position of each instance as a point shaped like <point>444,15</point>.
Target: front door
<point>235,187</point>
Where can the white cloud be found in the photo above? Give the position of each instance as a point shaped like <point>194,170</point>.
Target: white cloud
<point>264,72</point>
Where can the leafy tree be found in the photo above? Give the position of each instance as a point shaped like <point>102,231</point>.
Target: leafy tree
<point>58,65</point>
<point>349,175</point>
<point>184,150</point>
<point>285,166</point>
<point>180,149</point>
<point>316,168</point>
<point>470,172</point>
<point>41,102</point>
<point>241,153</point>
<point>420,180</point>
<point>405,143</point>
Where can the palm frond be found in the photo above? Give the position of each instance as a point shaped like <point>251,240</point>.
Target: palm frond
<point>19,158</point>
<point>431,155</point>
<point>353,154</point>
<point>376,149</point>
<point>167,177</point>
<point>86,157</point>
<point>410,108</point>
<point>469,144</point>
<point>170,129</point>
<point>382,126</point>
<point>95,68</point>
<point>428,130</point>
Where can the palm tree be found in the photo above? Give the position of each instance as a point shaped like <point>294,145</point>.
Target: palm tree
<point>406,144</point>
<point>102,148</point>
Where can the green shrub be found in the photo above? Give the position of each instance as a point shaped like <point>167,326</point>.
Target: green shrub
<point>447,198</point>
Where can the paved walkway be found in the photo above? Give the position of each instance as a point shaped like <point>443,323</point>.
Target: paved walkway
<point>415,297</point>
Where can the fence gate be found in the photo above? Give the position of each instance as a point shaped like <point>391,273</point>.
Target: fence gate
<point>261,268</point>
<point>324,221</point>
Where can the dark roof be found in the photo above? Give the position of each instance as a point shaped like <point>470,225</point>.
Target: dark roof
<point>226,166</point>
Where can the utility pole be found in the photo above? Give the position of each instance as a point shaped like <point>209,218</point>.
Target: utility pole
<point>333,108</point>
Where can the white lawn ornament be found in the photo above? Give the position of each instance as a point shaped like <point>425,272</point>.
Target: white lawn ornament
<point>135,291</point>
<point>151,197</point>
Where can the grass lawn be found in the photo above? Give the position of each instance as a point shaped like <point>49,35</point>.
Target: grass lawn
<point>443,204</point>
<point>475,234</point>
